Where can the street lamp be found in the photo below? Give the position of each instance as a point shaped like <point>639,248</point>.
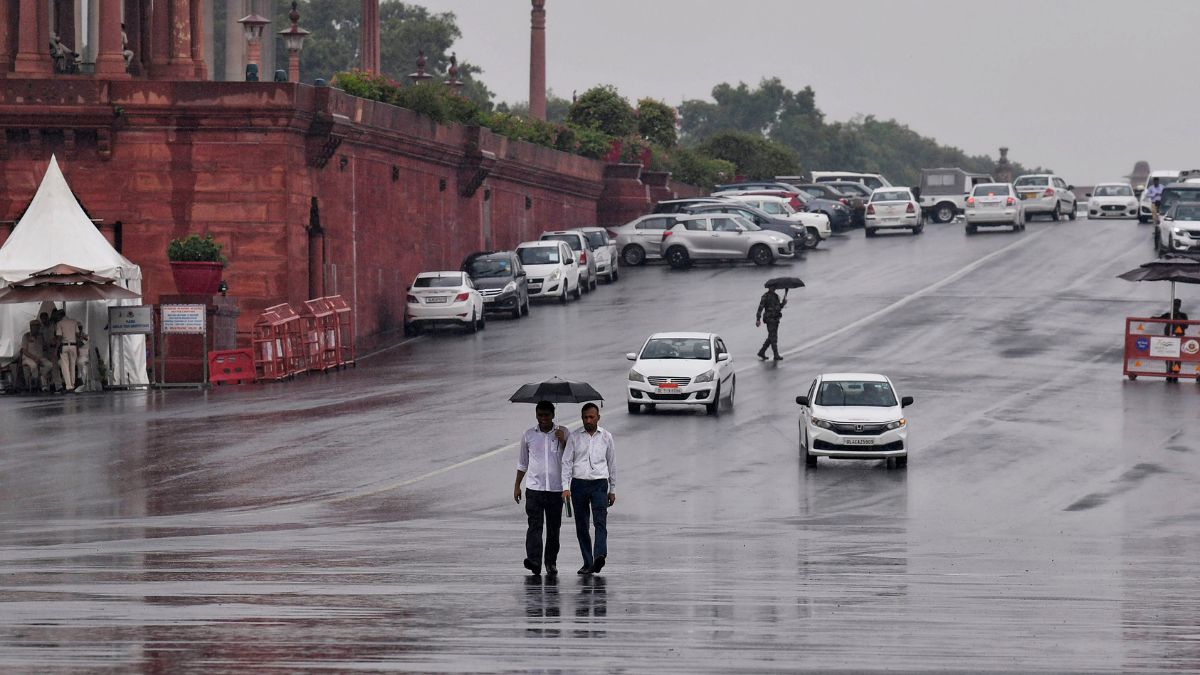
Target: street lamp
<point>253,25</point>
<point>294,39</point>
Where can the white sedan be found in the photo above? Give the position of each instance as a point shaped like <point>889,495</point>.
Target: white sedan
<point>441,298</point>
<point>992,204</point>
<point>1112,200</point>
<point>893,208</point>
<point>681,368</point>
<point>853,416</point>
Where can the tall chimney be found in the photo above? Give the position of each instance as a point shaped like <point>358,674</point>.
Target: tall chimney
<point>537,60</point>
<point>370,36</point>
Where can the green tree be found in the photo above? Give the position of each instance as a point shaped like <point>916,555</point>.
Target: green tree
<point>603,109</point>
<point>656,123</point>
<point>556,107</point>
<point>755,157</point>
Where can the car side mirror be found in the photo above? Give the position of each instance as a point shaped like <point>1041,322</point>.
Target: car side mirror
<point>631,356</point>
<point>1168,218</point>
<point>906,401</point>
<point>1070,187</point>
<point>802,400</point>
<point>1088,195</point>
<point>521,273</point>
<point>723,356</point>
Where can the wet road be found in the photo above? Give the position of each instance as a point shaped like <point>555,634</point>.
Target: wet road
<point>364,520</point>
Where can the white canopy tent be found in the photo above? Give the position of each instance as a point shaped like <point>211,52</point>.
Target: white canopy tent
<point>56,230</point>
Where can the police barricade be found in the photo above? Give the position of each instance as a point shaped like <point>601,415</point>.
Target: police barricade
<point>316,316</point>
<point>231,366</point>
<point>1162,348</point>
<point>344,333</point>
<point>278,343</point>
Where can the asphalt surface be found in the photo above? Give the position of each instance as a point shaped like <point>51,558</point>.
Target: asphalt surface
<point>363,520</point>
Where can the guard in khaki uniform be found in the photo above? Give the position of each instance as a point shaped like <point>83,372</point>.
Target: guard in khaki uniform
<point>70,338</point>
<point>36,367</point>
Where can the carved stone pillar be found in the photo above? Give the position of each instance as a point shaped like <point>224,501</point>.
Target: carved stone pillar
<point>33,47</point>
<point>370,36</point>
<point>8,36</point>
<point>109,61</point>
<point>537,60</point>
<point>160,37</point>
<point>199,67</point>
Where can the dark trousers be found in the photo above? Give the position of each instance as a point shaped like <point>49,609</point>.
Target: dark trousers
<point>590,499</point>
<point>772,339</point>
<point>543,506</point>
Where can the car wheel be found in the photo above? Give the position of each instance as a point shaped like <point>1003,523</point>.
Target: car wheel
<point>633,255</point>
<point>634,408</point>
<point>473,325</point>
<point>1158,247</point>
<point>519,310</point>
<point>970,229</point>
<point>592,283</point>
<point>1056,214</point>
<point>525,307</point>
<point>918,229</point>
<point>482,320</point>
<point>714,408</point>
<point>678,258</point>
<point>812,238</point>
<point>732,390</point>
<point>650,407</point>
<point>562,299</point>
<point>616,274</point>
<point>578,289</point>
<point>761,255</point>
<point>902,462</point>
<point>810,460</point>
<point>410,329</point>
<point>943,213</point>
<point>1074,211</point>
<point>869,231</point>
<point>1142,221</point>
<point>584,286</point>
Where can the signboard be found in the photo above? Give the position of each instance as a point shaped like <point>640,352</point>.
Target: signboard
<point>138,320</point>
<point>183,319</point>
<point>1164,347</point>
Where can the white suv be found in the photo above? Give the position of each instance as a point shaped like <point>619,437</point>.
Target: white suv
<point>551,269</point>
<point>1047,194</point>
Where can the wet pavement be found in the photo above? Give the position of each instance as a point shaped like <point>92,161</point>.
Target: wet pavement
<point>363,520</point>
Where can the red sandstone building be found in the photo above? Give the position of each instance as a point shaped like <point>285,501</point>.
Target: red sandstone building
<point>312,192</point>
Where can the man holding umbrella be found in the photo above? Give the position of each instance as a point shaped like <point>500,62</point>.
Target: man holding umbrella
<point>541,460</point>
<point>770,309</point>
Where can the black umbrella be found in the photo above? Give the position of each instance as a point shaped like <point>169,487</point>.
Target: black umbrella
<point>784,282</point>
<point>1173,269</point>
<point>556,390</point>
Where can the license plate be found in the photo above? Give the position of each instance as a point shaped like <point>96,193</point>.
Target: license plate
<point>1029,195</point>
<point>667,389</point>
<point>860,441</point>
<point>488,298</point>
<point>435,300</point>
<point>888,221</point>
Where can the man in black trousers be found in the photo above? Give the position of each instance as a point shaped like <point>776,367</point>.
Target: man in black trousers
<point>540,463</point>
<point>589,478</point>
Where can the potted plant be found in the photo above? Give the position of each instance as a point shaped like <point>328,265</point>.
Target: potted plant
<point>196,264</point>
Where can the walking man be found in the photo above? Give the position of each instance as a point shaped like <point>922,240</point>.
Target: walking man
<point>770,309</point>
<point>589,478</point>
<point>1154,194</point>
<point>540,462</point>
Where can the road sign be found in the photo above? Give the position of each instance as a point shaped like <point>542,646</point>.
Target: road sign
<point>137,320</point>
<point>183,319</point>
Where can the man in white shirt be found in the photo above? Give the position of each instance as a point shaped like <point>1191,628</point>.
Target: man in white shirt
<point>589,479</point>
<point>540,463</point>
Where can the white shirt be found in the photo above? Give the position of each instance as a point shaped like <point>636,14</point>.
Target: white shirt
<point>590,457</point>
<point>541,460</point>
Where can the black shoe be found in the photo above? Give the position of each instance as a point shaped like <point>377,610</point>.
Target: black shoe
<point>551,570</point>
<point>762,356</point>
<point>584,570</point>
<point>778,357</point>
<point>598,565</point>
<point>533,567</point>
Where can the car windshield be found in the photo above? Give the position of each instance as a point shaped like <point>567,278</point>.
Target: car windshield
<point>891,196</point>
<point>538,255</point>
<point>438,282</point>
<point>482,268</point>
<point>990,190</point>
<point>1178,194</point>
<point>678,348</point>
<point>855,393</point>
<point>596,239</point>
<point>572,240</point>
<point>1113,191</point>
<point>1187,212</point>
<point>1032,181</point>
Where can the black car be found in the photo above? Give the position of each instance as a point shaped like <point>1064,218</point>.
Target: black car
<point>500,279</point>
<point>858,194</point>
<point>835,204</point>
<point>760,218</point>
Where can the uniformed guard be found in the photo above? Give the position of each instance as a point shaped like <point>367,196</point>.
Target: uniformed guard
<point>770,309</point>
<point>70,338</point>
<point>35,366</point>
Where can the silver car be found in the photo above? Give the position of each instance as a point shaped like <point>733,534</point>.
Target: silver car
<point>605,251</point>
<point>991,204</point>
<point>1046,194</point>
<point>722,236</point>
<point>641,239</point>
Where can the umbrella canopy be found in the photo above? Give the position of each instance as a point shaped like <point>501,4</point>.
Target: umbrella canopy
<point>556,390</point>
<point>784,283</point>
<point>64,283</point>
<point>1173,269</point>
<point>63,274</point>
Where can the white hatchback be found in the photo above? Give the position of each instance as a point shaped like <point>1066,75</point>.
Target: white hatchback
<point>443,298</point>
<point>1112,200</point>
<point>683,369</point>
<point>853,416</point>
<point>550,268</point>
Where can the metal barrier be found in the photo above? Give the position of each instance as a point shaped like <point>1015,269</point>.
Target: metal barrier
<point>1162,348</point>
<point>318,350</point>
<point>345,328</point>
<point>278,344</point>
<point>231,365</point>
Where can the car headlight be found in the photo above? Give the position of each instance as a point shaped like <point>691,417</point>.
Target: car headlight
<point>1177,230</point>
<point>705,377</point>
<point>554,276</point>
<point>822,423</point>
<point>635,376</point>
<point>510,287</point>
<point>897,424</point>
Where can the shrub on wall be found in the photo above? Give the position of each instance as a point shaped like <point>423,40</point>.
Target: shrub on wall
<point>656,123</point>
<point>605,110</point>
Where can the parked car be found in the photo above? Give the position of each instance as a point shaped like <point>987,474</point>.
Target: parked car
<point>677,205</point>
<point>579,244</point>
<point>853,416</point>
<point>992,204</point>
<point>722,236</point>
<point>734,188</point>
<point>1046,194</point>
<point>1178,231</point>
<point>763,220</point>
<point>443,298</point>
<point>641,239</point>
<point>841,217</point>
<point>1165,178</point>
<point>871,180</point>
<point>775,213</point>
<point>858,194</point>
<point>1178,192</point>
<point>681,369</point>
<point>1112,200</point>
<point>605,251</point>
<point>943,192</point>
<point>893,208</point>
<point>552,269</point>
<point>501,281</point>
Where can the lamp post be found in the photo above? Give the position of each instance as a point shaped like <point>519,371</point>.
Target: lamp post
<point>293,37</point>
<point>253,25</point>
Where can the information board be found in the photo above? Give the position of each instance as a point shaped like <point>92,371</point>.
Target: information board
<point>183,319</point>
<point>138,320</point>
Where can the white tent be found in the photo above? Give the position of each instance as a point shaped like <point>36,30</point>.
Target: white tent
<point>55,230</point>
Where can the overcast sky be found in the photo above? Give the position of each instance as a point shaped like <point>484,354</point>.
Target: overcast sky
<point>1085,87</point>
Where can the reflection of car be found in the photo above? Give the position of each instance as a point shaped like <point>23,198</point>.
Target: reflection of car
<point>442,298</point>
<point>1112,200</point>
<point>579,244</point>
<point>1179,229</point>
<point>853,416</point>
<point>681,368</point>
<point>722,236</point>
<point>1045,194</point>
<point>605,251</point>
<point>500,279</point>
<point>994,204</point>
<point>641,239</point>
<point>816,225</point>
<point>893,208</point>
<point>551,268</point>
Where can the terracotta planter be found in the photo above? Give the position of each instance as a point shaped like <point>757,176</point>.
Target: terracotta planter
<point>197,278</point>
